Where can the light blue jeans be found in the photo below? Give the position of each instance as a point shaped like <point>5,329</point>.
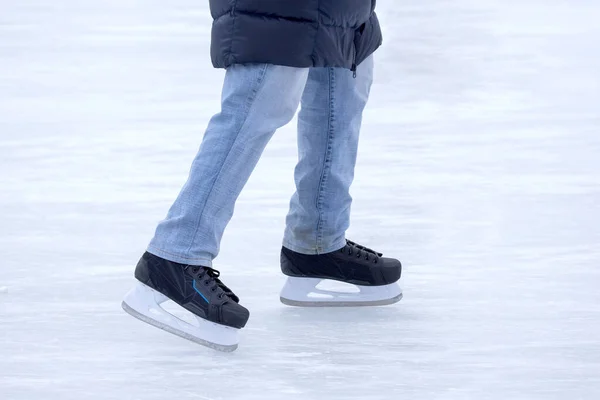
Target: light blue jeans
<point>256,101</point>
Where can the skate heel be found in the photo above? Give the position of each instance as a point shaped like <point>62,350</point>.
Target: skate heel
<point>144,303</point>
<point>303,292</point>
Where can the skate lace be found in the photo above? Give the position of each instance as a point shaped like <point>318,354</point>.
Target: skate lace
<point>210,278</point>
<point>361,251</point>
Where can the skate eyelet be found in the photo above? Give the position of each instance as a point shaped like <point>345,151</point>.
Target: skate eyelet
<point>206,283</point>
<point>195,270</point>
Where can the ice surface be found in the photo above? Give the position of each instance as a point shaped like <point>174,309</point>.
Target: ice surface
<point>479,167</point>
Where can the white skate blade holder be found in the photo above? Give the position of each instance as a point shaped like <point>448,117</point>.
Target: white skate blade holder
<point>304,292</point>
<point>144,303</point>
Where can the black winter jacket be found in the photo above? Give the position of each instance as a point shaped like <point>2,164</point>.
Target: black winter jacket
<point>296,33</point>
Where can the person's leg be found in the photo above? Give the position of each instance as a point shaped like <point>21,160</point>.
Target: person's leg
<point>256,100</point>
<point>328,129</point>
<point>315,247</point>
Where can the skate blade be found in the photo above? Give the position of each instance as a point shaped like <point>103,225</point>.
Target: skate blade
<point>303,292</point>
<point>143,303</point>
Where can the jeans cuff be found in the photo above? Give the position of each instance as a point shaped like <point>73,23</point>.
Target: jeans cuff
<point>299,248</point>
<point>198,261</point>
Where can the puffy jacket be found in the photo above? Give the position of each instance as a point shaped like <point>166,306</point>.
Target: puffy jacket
<point>296,33</point>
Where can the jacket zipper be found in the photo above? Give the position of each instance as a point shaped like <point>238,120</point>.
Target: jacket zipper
<point>353,69</point>
<point>357,35</point>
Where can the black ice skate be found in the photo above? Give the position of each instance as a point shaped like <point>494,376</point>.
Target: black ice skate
<point>218,315</point>
<point>374,276</point>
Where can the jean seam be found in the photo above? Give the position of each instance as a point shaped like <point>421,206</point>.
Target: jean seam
<point>326,162</point>
<point>252,101</point>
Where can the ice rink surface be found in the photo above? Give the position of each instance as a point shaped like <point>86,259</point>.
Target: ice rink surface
<point>479,167</point>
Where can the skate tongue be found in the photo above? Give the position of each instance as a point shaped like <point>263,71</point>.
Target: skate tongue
<point>213,273</point>
<point>360,248</point>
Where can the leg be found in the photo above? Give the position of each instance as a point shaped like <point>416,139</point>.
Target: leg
<point>328,130</point>
<point>315,248</point>
<point>256,100</point>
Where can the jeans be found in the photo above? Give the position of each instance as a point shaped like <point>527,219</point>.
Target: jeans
<point>257,100</point>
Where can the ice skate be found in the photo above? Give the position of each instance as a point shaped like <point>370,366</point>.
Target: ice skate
<point>373,277</point>
<point>217,316</point>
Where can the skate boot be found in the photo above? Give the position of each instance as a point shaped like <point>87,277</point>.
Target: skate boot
<point>218,316</point>
<point>374,277</point>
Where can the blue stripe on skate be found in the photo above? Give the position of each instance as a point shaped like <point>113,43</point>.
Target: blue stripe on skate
<point>197,291</point>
